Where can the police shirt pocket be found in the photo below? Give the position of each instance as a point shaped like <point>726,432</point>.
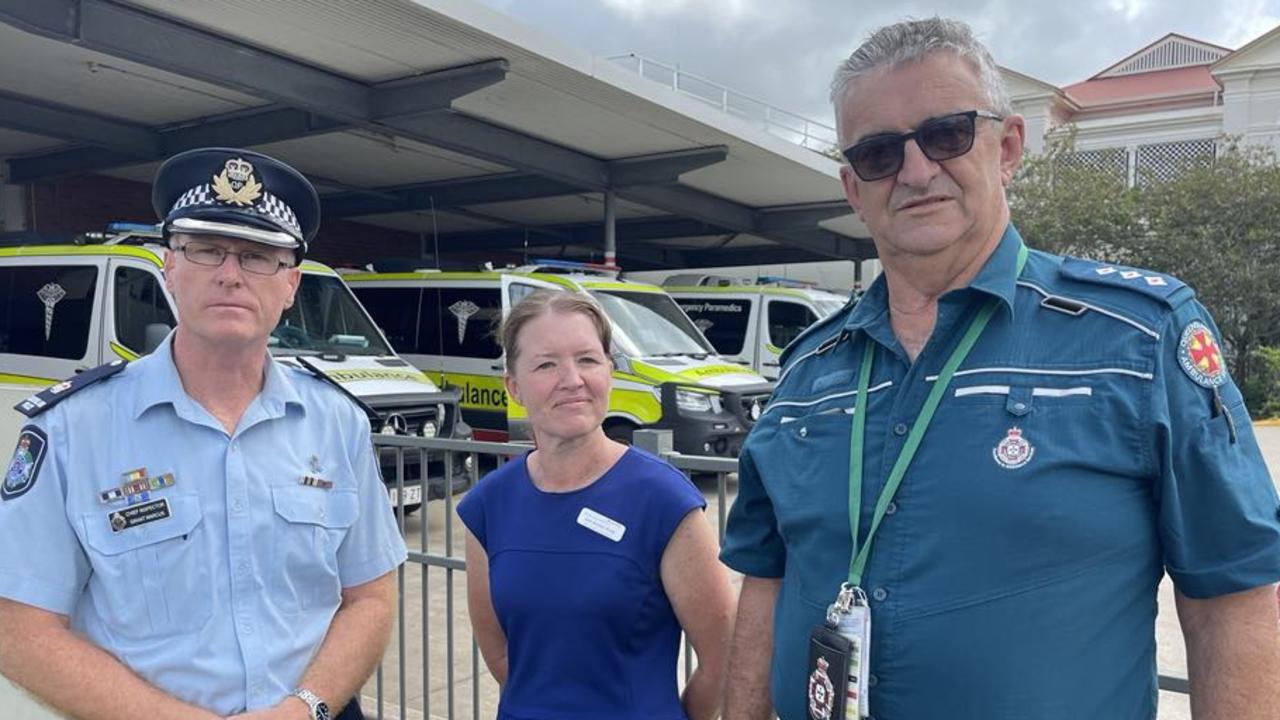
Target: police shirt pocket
<point>310,526</point>
<point>154,578</point>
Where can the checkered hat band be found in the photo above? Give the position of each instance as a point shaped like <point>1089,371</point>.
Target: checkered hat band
<point>269,205</point>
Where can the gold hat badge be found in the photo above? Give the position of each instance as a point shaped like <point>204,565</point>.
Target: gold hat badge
<point>236,184</point>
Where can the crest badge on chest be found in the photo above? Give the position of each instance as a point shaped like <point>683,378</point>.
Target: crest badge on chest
<point>1013,451</point>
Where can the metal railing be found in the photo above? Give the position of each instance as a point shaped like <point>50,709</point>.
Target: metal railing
<point>432,569</point>
<point>798,129</point>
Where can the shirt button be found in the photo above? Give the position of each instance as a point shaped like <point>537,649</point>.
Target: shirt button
<point>891,508</point>
<point>872,681</point>
<point>243,568</point>
<point>1019,406</point>
<point>879,594</point>
<point>900,429</point>
<point>237,506</point>
<point>804,432</point>
<point>321,513</point>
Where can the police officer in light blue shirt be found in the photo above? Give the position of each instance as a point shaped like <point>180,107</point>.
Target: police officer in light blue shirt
<point>968,485</point>
<point>203,532</point>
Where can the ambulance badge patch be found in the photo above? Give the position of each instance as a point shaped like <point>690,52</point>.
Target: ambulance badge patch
<point>1200,356</point>
<point>1013,451</point>
<point>23,469</point>
<point>822,692</point>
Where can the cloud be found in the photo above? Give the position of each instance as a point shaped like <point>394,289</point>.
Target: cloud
<point>784,52</point>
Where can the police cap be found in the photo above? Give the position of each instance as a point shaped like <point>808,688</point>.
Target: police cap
<point>236,193</point>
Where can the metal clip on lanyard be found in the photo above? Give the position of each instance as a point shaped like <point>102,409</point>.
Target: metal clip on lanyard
<point>851,591</point>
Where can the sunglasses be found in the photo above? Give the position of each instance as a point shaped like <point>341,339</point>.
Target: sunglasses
<point>939,138</point>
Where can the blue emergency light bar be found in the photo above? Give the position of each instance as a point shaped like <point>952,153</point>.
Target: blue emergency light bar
<point>123,227</point>
<point>785,282</point>
<point>573,265</point>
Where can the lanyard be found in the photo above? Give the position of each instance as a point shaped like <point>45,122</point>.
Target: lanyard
<point>858,562</point>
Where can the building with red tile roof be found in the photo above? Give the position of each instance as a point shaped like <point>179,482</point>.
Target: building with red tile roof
<point>1166,105</point>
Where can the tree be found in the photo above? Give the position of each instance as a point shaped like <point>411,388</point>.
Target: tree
<point>1064,205</point>
<point>1215,226</point>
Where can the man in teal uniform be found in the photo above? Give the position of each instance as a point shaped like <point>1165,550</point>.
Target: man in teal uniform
<point>1024,443</point>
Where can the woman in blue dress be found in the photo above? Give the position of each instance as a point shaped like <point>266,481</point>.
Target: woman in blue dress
<point>586,558</point>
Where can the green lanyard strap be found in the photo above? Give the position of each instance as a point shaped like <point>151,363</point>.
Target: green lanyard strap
<point>858,561</point>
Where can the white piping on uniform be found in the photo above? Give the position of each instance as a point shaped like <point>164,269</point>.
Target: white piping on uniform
<point>1062,392</point>
<point>825,398</point>
<point>821,348</point>
<point>1047,371</point>
<point>1095,308</point>
<point>1035,392</point>
<point>982,390</point>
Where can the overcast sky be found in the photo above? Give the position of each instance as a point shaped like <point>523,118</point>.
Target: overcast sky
<point>784,51</point>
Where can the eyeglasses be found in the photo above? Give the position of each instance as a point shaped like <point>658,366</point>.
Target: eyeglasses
<point>210,255</point>
<point>939,138</point>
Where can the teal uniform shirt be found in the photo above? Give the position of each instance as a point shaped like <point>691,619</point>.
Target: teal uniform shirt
<point>218,582</point>
<point>1079,453</point>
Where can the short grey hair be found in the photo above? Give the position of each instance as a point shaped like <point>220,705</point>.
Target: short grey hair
<point>893,46</point>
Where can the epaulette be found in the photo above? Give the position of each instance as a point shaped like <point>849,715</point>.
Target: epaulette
<point>320,375</point>
<point>55,394</point>
<point>1147,282</point>
<point>820,327</point>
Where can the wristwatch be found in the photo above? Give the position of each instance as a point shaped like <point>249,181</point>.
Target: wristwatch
<point>319,710</point>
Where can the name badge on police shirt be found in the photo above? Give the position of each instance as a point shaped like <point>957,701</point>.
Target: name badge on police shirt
<point>601,525</point>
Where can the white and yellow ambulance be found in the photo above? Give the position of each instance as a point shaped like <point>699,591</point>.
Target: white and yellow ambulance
<point>68,307</point>
<point>751,321</point>
<point>666,374</point>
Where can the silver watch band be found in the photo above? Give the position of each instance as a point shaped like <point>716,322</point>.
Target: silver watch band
<point>312,700</point>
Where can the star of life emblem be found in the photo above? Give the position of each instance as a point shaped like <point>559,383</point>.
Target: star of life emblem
<point>822,694</point>
<point>235,185</point>
<point>463,310</point>
<point>1013,451</point>
<point>51,294</point>
<point>1200,356</point>
<point>703,324</point>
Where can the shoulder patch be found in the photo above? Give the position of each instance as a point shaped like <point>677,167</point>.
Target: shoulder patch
<point>24,467</point>
<point>1200,356</point>
<point>50,396</point>
<point>1146,282</point>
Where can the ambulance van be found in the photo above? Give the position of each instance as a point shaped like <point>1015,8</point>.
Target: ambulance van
<point>68,307</point>
<point>750,322</point>
<point>666,374</point>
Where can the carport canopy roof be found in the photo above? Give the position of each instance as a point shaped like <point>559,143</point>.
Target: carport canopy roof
<point>450,120</point>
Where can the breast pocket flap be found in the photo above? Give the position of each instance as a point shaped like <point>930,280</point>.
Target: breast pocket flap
<point>332,508</point>
<point>103,532</point>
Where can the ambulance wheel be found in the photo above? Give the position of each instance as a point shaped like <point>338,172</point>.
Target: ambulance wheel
<point>619,431</point>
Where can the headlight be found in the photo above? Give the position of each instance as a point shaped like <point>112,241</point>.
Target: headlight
<point>388,429</point>
<point>428,429</point>
<point>693,401</point>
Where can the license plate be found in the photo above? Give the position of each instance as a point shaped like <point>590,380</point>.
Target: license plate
<point>412,495</point>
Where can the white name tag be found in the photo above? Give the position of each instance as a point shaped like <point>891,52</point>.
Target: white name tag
<point>597,523</point>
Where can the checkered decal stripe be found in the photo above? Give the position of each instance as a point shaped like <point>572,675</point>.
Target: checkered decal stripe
<point>270,205</point>
<point>198,195</point>
<point>275,208</point>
